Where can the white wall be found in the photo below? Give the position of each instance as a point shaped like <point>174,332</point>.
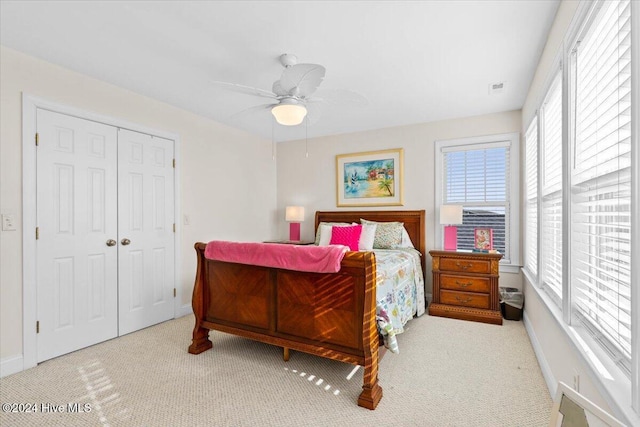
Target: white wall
<point>227,176</point>
<point>558,356</point>
<point>311,181</point>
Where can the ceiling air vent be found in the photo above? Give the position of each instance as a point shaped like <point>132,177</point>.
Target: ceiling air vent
<point>496,88</point>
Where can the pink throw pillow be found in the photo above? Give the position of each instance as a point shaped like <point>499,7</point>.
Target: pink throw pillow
<point>348,236</point>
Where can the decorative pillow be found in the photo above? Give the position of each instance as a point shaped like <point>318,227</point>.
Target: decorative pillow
<point>319,230</point>
<point>348,236</point>
<point>367,237</point>
<point>388,234</point>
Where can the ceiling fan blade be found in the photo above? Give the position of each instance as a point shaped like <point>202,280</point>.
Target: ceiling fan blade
<point>314,113</point>
<point>247,90</point>
<point>249,110</point>
<point>278,90</point>
<point>340,98</point>
<point>304,77</point>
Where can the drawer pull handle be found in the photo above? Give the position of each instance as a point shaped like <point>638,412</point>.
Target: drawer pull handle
<point>463,285</point>
<point>463,300</point>
<point>464,267</point>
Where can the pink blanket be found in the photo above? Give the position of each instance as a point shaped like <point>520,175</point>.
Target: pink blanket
<point>318,259</point>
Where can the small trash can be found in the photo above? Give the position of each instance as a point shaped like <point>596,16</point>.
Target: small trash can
<point>511,303</point>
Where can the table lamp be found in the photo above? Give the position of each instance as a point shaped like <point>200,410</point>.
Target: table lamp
<point>449,216</point>
<point>294,215</point>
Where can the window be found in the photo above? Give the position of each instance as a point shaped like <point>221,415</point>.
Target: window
<point>588,185</point>
<point>531,199</point>
<point>551,189</point>
<point>601,179</point>
<point>478,173</point>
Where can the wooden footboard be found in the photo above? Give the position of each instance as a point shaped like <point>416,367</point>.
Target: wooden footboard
<point>330,315</point>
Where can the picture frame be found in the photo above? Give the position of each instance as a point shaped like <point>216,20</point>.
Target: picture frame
<point>371,178</point>
<point>572,408</point>
<point>483,239</point>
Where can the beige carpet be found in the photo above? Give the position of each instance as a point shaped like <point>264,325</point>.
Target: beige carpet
<point>449,373</point>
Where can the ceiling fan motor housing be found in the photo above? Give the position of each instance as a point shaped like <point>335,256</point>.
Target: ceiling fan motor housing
<point>287,59</point>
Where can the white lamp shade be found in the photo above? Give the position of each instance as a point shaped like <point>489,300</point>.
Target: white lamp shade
<point>289,114</point>
<point>450,214</point>
<point>294,214</point>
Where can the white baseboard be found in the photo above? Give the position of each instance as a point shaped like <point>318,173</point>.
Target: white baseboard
<point>549,378</point>
<point>11,365</point>
<point>14,364</point>
<point>185,310</point>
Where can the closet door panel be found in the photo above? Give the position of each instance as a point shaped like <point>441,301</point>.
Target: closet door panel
<point>76,215</point>
<point>146,237</point>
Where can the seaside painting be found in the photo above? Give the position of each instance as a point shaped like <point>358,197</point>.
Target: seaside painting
<point>371,178</point>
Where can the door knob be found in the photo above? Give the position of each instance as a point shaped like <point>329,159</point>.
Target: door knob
<point>125,242</point>
<point>111,242</point>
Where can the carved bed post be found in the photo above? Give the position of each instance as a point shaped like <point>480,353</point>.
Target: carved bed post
<point>200,340</point>
<point>371,391</point>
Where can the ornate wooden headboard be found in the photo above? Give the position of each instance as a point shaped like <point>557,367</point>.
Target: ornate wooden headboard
<point>413,222</point>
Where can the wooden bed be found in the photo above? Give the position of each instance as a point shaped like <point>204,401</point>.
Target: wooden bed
<point>331,315</point>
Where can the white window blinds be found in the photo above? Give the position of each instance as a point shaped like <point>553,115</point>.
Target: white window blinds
<point>551,191</point>
<point>478,179</point>
<point>601,179</point>
<point>531,199</point>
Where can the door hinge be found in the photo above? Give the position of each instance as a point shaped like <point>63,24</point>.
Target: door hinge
<point>37,326</point>
<point>174,163</point>
<point>37,139</point>
<point>37,233</point>
<point>175,293</point>
<point>174,227</point>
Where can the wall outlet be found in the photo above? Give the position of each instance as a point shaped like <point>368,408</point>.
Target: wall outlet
<point>8,222</point>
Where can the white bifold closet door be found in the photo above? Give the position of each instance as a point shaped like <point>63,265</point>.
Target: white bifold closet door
<point>145,230</point>
<point>105,245</point>
<point>77,273</point>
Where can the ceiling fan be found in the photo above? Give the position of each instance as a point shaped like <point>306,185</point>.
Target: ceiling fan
<point>290,94</point>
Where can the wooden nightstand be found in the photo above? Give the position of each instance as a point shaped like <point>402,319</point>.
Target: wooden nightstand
<point>465,286</point>
<point>291,242</point>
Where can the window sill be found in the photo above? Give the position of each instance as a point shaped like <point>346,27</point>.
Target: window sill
<point>509,268</point>
<point>612,383</point>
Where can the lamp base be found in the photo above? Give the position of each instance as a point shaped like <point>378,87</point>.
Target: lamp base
<point>450,238</point>
<point>294,231</point>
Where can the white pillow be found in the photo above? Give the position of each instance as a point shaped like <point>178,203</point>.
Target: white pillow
<point>406,240</point>
<point>367,237</point>
<point>325,235</point>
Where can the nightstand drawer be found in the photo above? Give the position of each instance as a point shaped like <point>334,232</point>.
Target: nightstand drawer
<point>465,283</point>
<point>465,265</point>
<point>464,299</point>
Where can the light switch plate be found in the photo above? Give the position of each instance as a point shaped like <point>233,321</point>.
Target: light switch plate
<point>8,222</point>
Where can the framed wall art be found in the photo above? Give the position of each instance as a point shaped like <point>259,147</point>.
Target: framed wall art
<point>372,178</point>
<point>483,239</point>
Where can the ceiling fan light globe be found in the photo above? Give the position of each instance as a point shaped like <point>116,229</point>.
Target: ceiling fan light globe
<point>289,114</point>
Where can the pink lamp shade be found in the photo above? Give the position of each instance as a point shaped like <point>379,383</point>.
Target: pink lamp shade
<point>450,214</point>
<point>294,215</point>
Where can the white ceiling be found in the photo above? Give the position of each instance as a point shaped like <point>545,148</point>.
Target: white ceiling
<point>414,61</point>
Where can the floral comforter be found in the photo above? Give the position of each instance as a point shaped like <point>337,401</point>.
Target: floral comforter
<point>399,292</point>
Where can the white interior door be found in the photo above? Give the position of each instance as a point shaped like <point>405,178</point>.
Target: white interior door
<point>77,289</point>
<point>146,235</point>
